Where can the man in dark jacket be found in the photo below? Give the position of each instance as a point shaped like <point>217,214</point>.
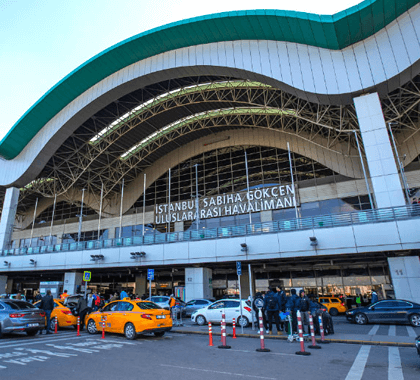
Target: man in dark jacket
<point>282,302</point>
<point>271,304</point>
<point>304,306</point>
<point>47,304</point>
<point>291,305</point>
<point>374,297</point>
<point>82,310</point>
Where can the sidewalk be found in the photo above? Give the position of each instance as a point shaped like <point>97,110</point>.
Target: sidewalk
<point>340,336</point>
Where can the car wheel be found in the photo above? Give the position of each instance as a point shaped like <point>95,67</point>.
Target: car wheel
<point>200,320</point>
<point>360,319</point>
<point>333,312</point>
<point>243,321</point>
<point>415,320</point>
<point>31,332</point>
<point>159,333</point>
<point>91,327</point>
<point>52,324</point>
<point>130,331</point>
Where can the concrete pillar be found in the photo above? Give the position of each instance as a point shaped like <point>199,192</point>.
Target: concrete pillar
<point>266,216</point>
<point>8,216</point>
<point>405,275</point>
<point>245,282</point>
<point>3,284</point>
<point>198,283</point>
<point>387,187</point>
<point>71,281</point>
<point>179,226</point>
<point>111,233</point>
<point>9,286</point>
<point>141,288</point>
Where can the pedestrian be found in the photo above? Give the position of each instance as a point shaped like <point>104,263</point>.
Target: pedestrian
<point>47,304</point>
<point>358,300</point>
<point>123,294</point>
<point>271,304</point>
<point>257,305</point>
<point>90,301</point>
<point>115,297</point>
<point>38,296</point>
<point>64,295</point>
<point>291,306</point>
<point>282,302</point>
<point>374,298</point>
<point>82,310</point>
<point>172,303</point>
<point>304,306</point>
<point>97,302</point>
<point>19,296</point>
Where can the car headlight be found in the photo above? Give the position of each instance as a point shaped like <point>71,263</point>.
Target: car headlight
<point>350,312</point>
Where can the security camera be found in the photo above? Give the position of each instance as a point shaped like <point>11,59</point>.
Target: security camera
<point>314,241</point>
<point>6,264</point>
<point>244,247</point>
<point>32,262</point>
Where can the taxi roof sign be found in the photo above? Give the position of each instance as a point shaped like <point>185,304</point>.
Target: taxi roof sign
<point>87,276</point>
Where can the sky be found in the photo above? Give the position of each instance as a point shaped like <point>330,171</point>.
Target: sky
<point>41,41</point>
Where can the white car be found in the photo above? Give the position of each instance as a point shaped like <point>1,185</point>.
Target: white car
<point>231,307</point>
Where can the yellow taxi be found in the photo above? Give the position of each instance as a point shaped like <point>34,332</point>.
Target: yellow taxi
<point>131,318</point>
<point>334,305</point>
<point>63,314</point>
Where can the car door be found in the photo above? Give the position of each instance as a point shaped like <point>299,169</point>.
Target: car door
<point>401,311</point>
<point>190,307</point>
<point>214,312</point>
<point>107,316</point>
<point>380,312</point>
<point>121,316</point>
<point>233,310</point>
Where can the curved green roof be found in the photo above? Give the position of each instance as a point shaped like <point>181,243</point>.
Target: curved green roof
<point>332,32</point>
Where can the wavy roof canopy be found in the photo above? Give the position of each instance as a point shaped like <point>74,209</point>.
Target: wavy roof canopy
<point>330,31</point>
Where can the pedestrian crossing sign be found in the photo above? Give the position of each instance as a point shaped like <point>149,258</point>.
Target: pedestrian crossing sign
<point>87,276</point>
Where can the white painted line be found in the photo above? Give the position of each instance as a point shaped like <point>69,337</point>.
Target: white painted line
<point>374,330</point>
<point>38,337</point>
<point>358,367</point>
<point>39,341</point>
<point>394,364</point>
<point>392,330</point>
<point>271,353</point>
<point>411,332</point>
<point>220,372</point>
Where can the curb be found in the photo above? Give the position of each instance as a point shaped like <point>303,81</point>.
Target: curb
<point>284,337</point>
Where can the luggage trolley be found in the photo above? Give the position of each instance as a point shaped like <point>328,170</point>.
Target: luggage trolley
<point>175,321</point>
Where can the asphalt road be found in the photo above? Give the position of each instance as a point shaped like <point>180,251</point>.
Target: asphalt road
<point>177,356</point>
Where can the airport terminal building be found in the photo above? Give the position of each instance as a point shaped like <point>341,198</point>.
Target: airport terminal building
<point>289,142</point>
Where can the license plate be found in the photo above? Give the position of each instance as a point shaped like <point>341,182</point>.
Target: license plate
<point>32,325</point>
<point>160,316</point>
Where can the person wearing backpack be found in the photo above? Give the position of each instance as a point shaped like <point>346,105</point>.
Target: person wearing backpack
<point>256,305</point>
<point>271,304</point>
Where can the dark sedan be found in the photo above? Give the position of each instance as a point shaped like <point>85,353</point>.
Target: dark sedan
<point>386,311</point>
<point>196,304</point>
<point>18,316</point>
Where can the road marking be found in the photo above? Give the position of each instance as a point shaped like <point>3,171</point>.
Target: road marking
<point>411,332</point>
<point>394,364</point>
<point>272,353</point>
<point>38,341</point>
<point>220,372</point>
<point>392,330</point>
<point>358,367</point>
<point>41,337</point>
<point>374,330</point>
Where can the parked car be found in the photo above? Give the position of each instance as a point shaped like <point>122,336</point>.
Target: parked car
<point>334,305</point>
<point>12,296</point>
<point>386,311</point>
<point>130,318</point>
<point>231,307</point>
<point>18,315</point>
<point>163,302</point>
<point>196,304</point>
<point>63,314</point>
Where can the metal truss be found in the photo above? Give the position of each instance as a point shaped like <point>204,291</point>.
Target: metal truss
<point>82,163</point>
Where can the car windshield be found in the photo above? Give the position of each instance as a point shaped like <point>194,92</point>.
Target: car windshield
<point>148,305</point>
<point>19,305</point>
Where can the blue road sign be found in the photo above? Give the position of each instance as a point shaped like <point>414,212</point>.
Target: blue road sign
<point>87,276</point>
<point>238,268</point>
<point>150,274</point>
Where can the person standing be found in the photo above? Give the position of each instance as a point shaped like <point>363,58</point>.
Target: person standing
<point>271,304</point>
<point>282,303</point>
<point>64,295</point>
<point>257,304</point>
<point>47,304</point>
<point>358,300</point>
<point>172,303</point>
<point>291,306</point>
<point>374,297</point>
<point>304,306</point>
<point>82,310</point>
<point>123,294</point>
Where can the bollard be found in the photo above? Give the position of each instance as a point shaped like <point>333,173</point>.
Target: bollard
<point>103,330</point>
<point>78,326</point>
<point>321,330</point>
<point>210,336</point>
<point>290,332</point>
<point>262,348</point>
<point>56,325</point>
<point>300,329</point>
<point>234,329</point>
<point>224,345</point>
<point>311,324</point>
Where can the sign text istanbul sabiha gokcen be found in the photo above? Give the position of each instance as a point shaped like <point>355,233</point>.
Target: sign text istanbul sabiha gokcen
<point>268,198</point>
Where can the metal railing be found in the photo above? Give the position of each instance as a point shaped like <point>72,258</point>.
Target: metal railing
<point>308,223</point>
